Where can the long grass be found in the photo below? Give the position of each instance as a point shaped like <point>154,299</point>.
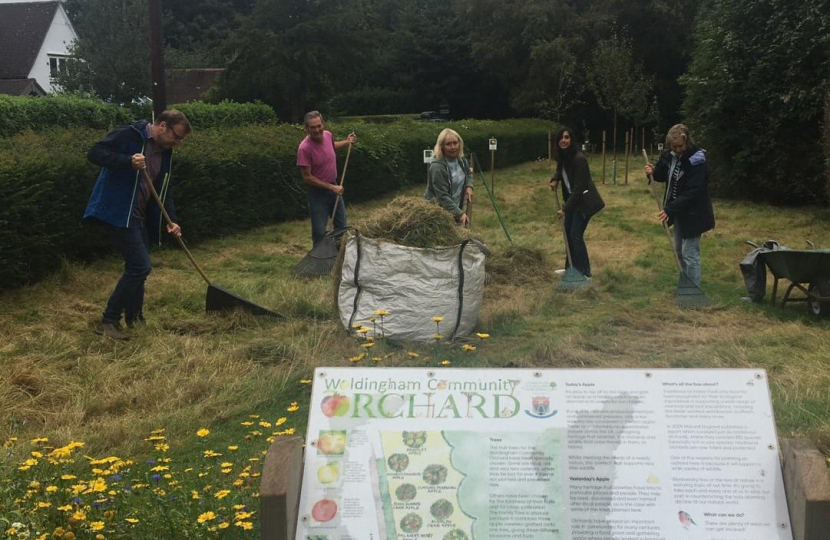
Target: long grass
<point>187,369</point>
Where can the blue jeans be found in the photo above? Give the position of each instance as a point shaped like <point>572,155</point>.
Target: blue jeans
<point>575,225</point>
<point>128,296</point>
<point>688,251</point>
<point>320,207</point>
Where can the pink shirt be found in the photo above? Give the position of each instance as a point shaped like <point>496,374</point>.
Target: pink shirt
<point>320,156</point>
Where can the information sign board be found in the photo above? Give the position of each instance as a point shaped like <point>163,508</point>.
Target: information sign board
<point>506,454</point>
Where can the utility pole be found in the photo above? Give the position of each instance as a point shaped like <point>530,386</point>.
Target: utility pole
<point>157,58</point>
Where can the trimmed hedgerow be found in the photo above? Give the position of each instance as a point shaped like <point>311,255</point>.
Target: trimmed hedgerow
<point>22,113</point>
<point>226,180</point>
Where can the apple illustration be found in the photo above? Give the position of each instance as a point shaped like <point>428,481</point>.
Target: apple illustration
<point>335,405</point>
<point>324,510</point>
<point>332,442</point>
<point>328,473</point>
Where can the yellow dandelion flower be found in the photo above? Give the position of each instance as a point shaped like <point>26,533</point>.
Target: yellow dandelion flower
<point>194,495</point>
<point>239,516</point>
<point>154,438</point>
<point>294,407</point>
<point>356,358</point>
<point>77,516</point>
<point>238,483</point>
<point>445,362</point>
<point>437,337</point>
<point>68,477</point>
<point>51,489</point>
<point>37,455</point>
<point>131,520</point>
<point>210,454</point>
<point>69,535</point>
<point>357,326</point>
<point>247,424</point>
<point>207,516</point>
<point>376,358</point>
<point>222,493</point>
<point>160,468</point>
<point>381,313</point>
<point>246,525</point>
<point>437,319</point>
<point>34,484</point>
<point>482,335</point>
<point>468,347</point>
<point>96,525</point>
<point>305,381</point>
<point>65,508</point>
<point>100,536</point>
<point>280,421</point>
<point>44,504</point>
<point>226,464</point>
<point>368,345</point>
<point>203,432</point>
<point>412,354</point>
<point>157,431</point>
<point>226,471</point>
<point>39,440</point>
<point>264,424</point>
<point>363,331</point>
<point>372,319</point>
<point>162,447</point>
<point>224,525</point>
<point>238,507</point>
<point>233,448</point>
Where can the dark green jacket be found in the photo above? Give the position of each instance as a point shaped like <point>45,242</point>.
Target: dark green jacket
<point>439,187</point>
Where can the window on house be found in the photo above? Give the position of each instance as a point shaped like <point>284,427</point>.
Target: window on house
<point>58,64</point>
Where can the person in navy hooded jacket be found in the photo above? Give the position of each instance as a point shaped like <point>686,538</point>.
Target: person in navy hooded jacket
<point>123,202</point>
<point>686,205</point>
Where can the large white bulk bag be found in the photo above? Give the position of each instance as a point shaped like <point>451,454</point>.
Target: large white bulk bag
<point>413,285</point>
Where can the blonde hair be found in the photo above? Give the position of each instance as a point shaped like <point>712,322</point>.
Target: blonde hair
<point>679,133</point>
<point>438,153</point>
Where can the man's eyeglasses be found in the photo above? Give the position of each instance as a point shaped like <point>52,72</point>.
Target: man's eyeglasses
<point>179,138</point>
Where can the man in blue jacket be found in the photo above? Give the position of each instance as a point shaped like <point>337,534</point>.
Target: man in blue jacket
<point>123,202</point>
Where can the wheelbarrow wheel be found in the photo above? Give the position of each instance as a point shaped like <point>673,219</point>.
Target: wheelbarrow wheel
<point>819,307</point>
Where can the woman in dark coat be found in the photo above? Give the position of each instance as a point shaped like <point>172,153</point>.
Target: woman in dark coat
<point>687,205</point>
<point>582,200</point>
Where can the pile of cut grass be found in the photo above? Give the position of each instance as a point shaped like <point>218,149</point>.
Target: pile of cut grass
<point>413,222</point>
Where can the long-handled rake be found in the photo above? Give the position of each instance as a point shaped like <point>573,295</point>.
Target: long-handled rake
<point>477,169</point>
<point>321,259</point>
<point>689,295</point>
<point>217,298</point>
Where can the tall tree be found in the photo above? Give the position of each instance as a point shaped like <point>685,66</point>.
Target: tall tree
<point>113,47</point>
<point>755,93</point>
<point>618,82</point>
<point>292,54</point>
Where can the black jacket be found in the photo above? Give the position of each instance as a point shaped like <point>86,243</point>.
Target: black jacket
<point>583,196</point>
<point>692,209</point>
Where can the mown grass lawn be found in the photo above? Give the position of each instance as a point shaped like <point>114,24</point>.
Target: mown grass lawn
<point>244,379</point>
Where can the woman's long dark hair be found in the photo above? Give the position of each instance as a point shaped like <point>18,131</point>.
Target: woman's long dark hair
<point>567,155</point>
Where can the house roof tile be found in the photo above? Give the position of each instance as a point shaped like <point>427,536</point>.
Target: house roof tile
<point>23,28</point>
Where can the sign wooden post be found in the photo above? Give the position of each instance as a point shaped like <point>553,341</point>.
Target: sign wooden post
<point>493,145</point>
<point>603,156</point>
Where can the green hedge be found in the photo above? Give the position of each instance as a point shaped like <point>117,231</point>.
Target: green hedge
<point>225,181</point>
<point>23,113</point>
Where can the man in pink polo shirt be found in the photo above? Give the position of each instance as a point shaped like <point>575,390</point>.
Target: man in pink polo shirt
<point>318,166</point>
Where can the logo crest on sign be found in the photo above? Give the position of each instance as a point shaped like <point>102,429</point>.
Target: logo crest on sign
<point>540,406</point>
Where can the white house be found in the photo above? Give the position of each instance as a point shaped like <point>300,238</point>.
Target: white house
<point>35,37</point>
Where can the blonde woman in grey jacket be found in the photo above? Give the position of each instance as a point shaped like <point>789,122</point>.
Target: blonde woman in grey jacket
<point>450,180</point>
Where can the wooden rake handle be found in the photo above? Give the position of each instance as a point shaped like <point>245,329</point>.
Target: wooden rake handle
<point>170,222</point>
<point>342,180</point>
<point>660,207</point>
